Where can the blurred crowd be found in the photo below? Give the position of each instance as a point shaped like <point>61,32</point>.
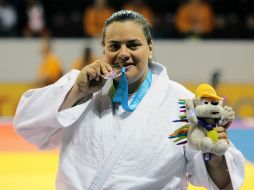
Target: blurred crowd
<point>50,69</point>
<point>216,19</point>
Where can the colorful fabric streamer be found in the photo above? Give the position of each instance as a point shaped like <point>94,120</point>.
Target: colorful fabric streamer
<point>180,134</point>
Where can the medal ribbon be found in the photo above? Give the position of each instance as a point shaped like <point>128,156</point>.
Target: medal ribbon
<point>121,94</point>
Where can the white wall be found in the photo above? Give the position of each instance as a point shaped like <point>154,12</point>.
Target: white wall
<point>186,61</point>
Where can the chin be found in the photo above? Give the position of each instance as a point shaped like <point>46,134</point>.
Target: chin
<point>133,74</point>
<point>130,72</point>
<point>131,78</point>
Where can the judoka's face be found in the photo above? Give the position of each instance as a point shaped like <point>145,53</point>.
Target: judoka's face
<point>126,44</point>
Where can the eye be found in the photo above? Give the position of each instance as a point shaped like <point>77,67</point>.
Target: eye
<point>215,103</point>
<point>133,45</point>
<point>204,101</point>
<point>114,47</point>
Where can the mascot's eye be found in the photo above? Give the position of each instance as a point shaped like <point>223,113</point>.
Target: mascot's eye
<point>215,103</point>
<point>204,101</point>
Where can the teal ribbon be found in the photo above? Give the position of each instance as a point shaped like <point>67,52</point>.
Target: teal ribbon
<point>121,94</point>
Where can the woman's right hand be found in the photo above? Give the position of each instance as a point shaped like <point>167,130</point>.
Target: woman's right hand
<point>89,79</point>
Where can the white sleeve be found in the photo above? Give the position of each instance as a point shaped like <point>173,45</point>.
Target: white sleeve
<point>199,176</point>
<point>37,118</point>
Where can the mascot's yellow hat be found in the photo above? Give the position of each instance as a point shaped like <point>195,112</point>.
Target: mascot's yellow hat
<point>206,91</point>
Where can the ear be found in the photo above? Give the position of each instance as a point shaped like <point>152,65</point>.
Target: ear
<point>195,101</point>
<point>150,46</point>
<point>220,102</point>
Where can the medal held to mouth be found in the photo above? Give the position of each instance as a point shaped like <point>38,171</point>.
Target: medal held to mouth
<point>116,72</point>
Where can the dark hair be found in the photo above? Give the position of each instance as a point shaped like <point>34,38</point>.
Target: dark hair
<point>127,15</point>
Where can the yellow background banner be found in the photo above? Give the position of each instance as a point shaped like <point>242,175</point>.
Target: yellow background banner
<point>238,96</point>
<point>10,94</point>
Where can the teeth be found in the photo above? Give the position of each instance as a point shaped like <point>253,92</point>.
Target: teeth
<point>116,66</point>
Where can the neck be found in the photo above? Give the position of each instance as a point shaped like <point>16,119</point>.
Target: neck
<point>136,83</point>
<point>210,121</point>
<point>133,87</point>
<point>45,54</point>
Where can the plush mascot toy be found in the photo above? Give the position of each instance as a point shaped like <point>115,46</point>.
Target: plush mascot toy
<point>203,114</point>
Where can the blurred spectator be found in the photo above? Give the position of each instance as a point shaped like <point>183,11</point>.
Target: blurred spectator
<point>195,17</point>
<point>220,22</point>
<point>50,69</point>
<point>64,18</point>
<point>36,24</point>
<point>249,24</point>
<point>233,25</point>
<point>8,19</point>
<point>140,7</point>
<point>215,79</point>
<point>87,58</point>
<point>95,16</point>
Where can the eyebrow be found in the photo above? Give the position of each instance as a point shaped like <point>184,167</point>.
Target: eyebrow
<point>128,41</point>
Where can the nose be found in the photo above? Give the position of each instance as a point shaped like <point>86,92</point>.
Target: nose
<point>124,53</point>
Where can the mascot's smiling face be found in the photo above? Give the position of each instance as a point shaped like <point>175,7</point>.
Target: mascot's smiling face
<point>207,107</point>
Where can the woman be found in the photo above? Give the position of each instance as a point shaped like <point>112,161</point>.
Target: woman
<point>114,135</point>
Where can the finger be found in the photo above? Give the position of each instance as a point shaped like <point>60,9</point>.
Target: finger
<point>108,67</point>
<point>104,69</point>
<point>82,80</point>
<point>91,73</point>
<point>83,75</point>
<point>228,125</point>
<point>220,129</point>
<point>221,132</point>
<point>223,135</point>
<point>98,70</point>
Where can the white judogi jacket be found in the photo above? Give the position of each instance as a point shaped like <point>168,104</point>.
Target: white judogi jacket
<point>117,150</point>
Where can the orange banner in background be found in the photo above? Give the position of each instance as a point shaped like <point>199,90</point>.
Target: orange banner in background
<point>238,96</point>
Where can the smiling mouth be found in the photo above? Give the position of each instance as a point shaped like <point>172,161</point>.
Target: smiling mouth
<point>215,113</point>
